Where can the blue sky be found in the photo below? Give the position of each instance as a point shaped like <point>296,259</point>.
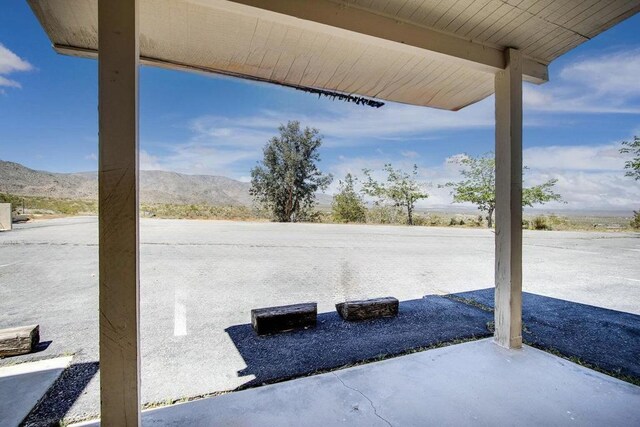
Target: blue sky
<point>199,124</point>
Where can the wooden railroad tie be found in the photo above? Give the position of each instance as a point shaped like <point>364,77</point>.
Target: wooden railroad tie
<point>20,340</point>
<point>284,318</point>
<point>368,309</point>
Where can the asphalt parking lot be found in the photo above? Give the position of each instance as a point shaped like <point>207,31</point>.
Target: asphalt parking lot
<point>200,278</point>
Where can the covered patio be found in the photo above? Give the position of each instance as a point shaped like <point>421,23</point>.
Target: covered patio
<point>429,53</point>
<point>475,384</point>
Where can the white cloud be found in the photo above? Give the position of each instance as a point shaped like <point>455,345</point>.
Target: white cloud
<point>613,74</point>
<point>410,154</point>
<point>589,177</point>
<point>10,63</point>
<point>199,159</point>
<point>592,190</point>
<point>345,125</point>
<point>607,83</point>
<point>226,146</point>
<point>150,162</point>
<point>9,83</point>
<point>397,120</point>
<point>577,157</point>
<point>217,146</point>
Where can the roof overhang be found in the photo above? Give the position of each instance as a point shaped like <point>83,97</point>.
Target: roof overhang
<point>414,52</point>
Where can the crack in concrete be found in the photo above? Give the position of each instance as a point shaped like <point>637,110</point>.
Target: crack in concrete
<point>375,411</point>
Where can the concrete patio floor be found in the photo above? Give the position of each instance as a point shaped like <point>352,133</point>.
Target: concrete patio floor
<point>476,383</point>
<point>22,385</point>
<point>207,275</point>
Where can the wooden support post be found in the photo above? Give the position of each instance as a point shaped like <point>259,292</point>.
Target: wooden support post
<point>508,259</point>
<point>118,212</point>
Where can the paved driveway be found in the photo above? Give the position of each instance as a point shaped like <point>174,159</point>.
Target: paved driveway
<point>198,278</point>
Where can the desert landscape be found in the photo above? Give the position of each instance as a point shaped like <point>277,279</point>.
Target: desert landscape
<point>42,195</point>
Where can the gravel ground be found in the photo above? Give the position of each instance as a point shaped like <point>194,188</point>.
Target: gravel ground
<point>606,339</point>
<point>200,278</point>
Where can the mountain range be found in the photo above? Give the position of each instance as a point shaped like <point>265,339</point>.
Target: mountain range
<point>155,186</point>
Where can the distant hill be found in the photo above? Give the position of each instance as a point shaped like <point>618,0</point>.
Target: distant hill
<point>155,186</point>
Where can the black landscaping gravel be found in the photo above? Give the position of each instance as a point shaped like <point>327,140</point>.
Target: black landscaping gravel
<point>334,342</point>
<point>606,339</point>
<point>62,394</point>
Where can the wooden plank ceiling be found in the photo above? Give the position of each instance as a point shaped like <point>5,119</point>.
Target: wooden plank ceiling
<point>542,29</point>
<point>243,38</point>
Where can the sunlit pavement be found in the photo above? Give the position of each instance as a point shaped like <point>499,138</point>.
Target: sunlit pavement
<point>199,278</point>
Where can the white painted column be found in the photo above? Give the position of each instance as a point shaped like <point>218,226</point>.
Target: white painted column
<point>118,213</point>
<point>508,267</point>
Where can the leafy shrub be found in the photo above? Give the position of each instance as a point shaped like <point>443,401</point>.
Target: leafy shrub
<point>558,221</point>
<point>635,221</point>
<point>541,223</point>
<point>348,205</point>
<point>436,220</point>
<point>455,221</point>
<point>420,220</point>
<point>319,217</point>
<point>426,220</point>
<point>50,204</point>
<point>401,190</point>
<point>202,212</point>
<point>385,215</point>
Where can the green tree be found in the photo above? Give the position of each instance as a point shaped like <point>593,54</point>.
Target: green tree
<point>401,189</point>
<point>286,181</point>
<point>479,186</point>
<point>348,205</point>
<point>632,167</point>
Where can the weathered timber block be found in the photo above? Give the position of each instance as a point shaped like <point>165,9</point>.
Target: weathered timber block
<point>284,318</point>
<point>20,340</point>
<point>368,309</point>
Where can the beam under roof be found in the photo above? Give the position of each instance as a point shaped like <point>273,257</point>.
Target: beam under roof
<point>389,31</point>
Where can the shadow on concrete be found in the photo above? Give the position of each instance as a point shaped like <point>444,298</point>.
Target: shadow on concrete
<point>601,338</point>
<point>57,401</point>
<point>21,389</point>
<point>41,346</point>
<point>333,343</point>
